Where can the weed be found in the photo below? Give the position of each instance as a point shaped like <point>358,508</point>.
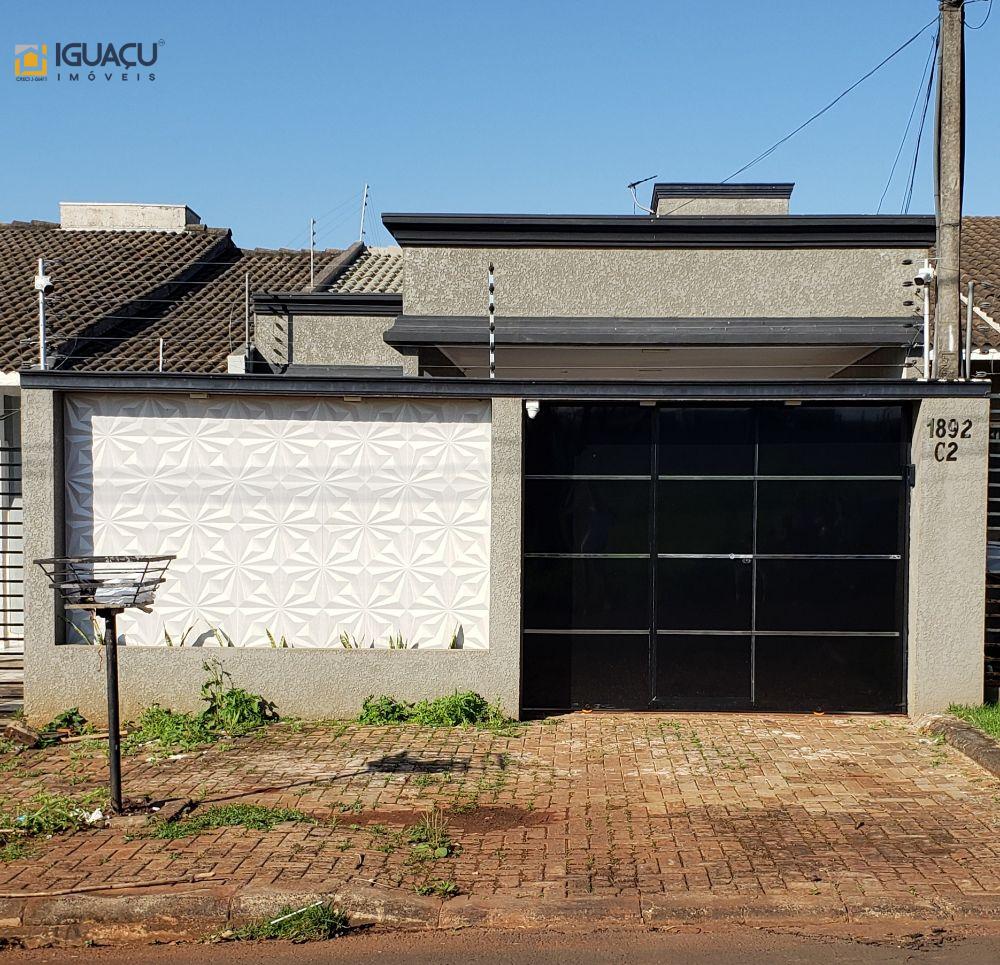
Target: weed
<point>13,851</point>
<point>7,746</point>
<point>256,817</point>
<point>71,721</point>
<point>172,730</point>
<point>456,710</point>
<point>429,836</point>
<point>384,710</point>
<point>47,814</point>
<point>232,710</point>
<point>315,923</point>
<point>984,716</point>
<point>443,889</point>
<point>355,807</point>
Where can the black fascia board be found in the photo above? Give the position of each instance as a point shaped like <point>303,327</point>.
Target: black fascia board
<point>409,386</point>
<point>328,303</point>
<point>696,189</point>
<point>642,231</point>
<point>419,331</point>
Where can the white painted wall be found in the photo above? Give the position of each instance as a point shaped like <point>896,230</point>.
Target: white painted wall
<point>303,517</point>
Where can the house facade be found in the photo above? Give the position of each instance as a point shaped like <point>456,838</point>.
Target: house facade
<point>688,463</point>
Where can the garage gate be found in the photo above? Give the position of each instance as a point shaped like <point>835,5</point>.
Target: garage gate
<point>715,557</point>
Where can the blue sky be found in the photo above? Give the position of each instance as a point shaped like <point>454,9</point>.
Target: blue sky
<point>264,113</point>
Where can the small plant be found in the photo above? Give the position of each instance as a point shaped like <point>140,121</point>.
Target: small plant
<point>397,642</point>
<point>350,642</point>
<point>456,639</point>
<point>182,640</point>
<point>429,836</point>
<point>70,722</point>
<point>281,644</point>
<point>384,710</point>
<point>232,710</point>
<point>318,922</point>
<point>443,889</point>
<point>257,817</point>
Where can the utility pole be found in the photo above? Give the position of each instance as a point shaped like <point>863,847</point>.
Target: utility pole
<point>949,161</point>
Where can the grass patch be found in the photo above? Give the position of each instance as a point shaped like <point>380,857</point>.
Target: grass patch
<point>13,851</point>
<point>315,923</point>
<point>171,730</point>
<point>456,710</point>
<point>984,716</point>
<point>256,817</point>
<point>47,814</point>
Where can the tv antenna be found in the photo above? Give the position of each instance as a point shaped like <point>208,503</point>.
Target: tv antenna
<point>635,201</point>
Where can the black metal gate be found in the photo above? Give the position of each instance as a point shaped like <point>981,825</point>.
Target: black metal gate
<point>715,557</point>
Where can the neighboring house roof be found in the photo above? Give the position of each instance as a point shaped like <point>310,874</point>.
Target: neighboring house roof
<point>205,323</point>
<point>118,292</point>
<point>375,270</point>
<point>97,274</point>
<point>981,265</point>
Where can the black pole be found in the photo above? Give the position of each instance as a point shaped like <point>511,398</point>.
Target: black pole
<point>114,739</point>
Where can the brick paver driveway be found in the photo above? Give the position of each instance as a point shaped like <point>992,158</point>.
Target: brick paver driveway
<point>861,811</point>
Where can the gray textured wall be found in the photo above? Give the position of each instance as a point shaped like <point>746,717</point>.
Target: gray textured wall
<point>689,207</point>
<point>328,340</point>
<point>660,282</point>
<point>947,560</point>
<point>346,340</point>
<point>303,682</point>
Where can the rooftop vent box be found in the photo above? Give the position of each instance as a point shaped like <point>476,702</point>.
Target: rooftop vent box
<point>684,198</point>
<point>124,216</point>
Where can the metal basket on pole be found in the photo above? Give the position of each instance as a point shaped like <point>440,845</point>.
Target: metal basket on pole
<point>107,586</point>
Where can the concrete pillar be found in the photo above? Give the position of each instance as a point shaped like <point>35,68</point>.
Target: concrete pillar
<point>505,554</point>
<point>42,452</point>
<point>947,556</point>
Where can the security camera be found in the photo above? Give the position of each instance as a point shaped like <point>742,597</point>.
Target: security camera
<point>43,284</point>
<point>925,276</point>
<point>531,406</point>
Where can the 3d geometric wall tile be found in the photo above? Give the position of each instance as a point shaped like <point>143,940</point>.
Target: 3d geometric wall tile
<point>305,518</point>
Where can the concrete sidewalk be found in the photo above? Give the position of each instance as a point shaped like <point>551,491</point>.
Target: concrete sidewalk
<point>603,819</point>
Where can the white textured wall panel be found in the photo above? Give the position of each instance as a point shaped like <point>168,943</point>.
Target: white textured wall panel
<point>303,517</point>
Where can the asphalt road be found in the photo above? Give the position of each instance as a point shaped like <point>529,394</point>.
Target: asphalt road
<point>689,946</point>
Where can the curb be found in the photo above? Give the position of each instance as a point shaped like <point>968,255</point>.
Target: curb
<point>971,741</point>
<point>194,915</point>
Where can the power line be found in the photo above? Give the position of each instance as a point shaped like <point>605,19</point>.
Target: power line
<point>769,151</point>
<point>982,23</point>
<point>908,195</point>
<point>909,120</point>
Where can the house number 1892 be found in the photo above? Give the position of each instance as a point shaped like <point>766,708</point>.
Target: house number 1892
<point>945,430</point>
